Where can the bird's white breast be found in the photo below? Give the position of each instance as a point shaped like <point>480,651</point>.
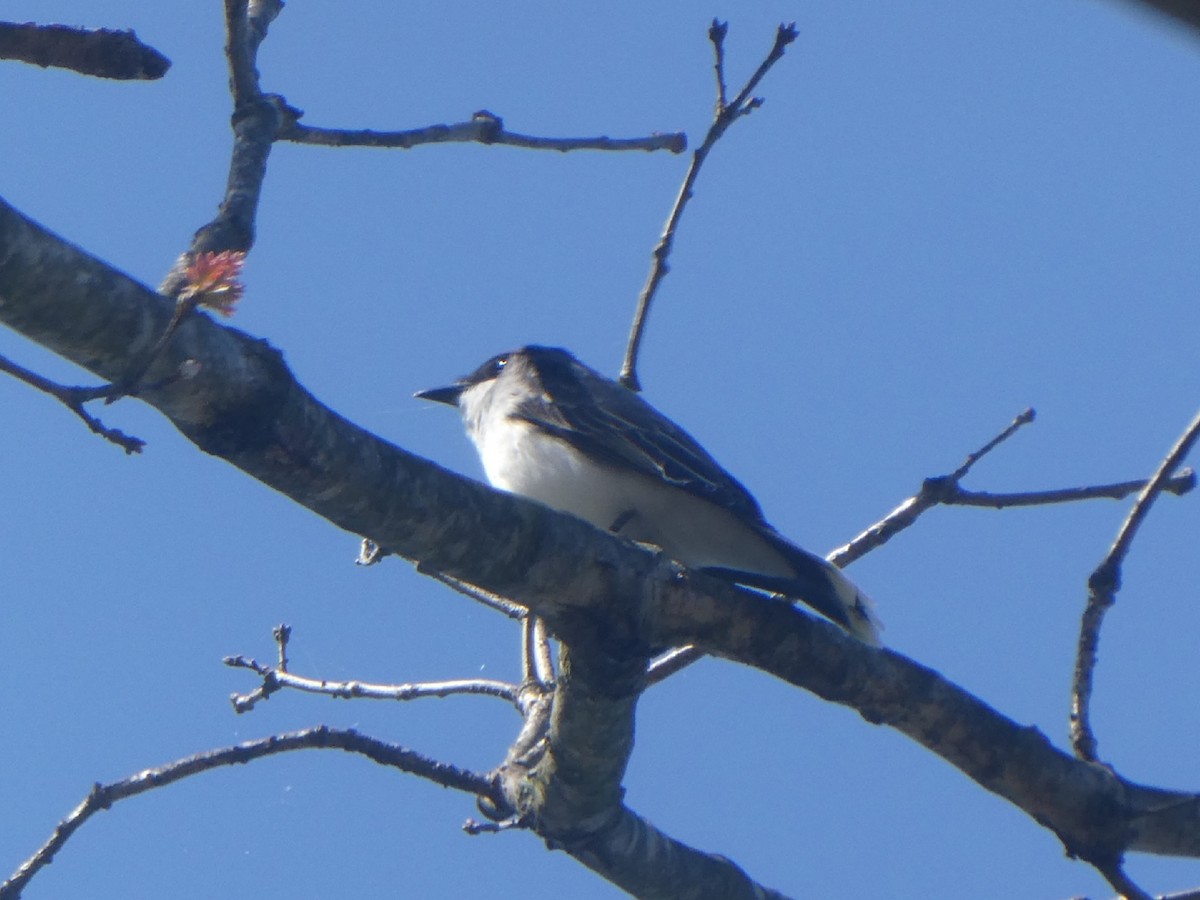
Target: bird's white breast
<point>521,458</point>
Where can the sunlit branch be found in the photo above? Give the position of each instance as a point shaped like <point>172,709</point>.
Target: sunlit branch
<point>73,399</point>
<point>103,796</point>
<point>1103,585</point>
<point>277,677</point>
<point>726,114</point>
<point>482,128</point>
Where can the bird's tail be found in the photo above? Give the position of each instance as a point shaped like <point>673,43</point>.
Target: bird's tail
<point>861,620</point>
<point>819,584</point>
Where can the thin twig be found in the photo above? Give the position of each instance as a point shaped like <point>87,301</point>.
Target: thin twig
<point>127,386</point>
<point>528,651</point>
<point>278,677</point>
<point>674,660</point>
<point>478,594</point>
<point>102,796</point>
<point>1178,484</point>
<point>1103,585</point>
<point>350,690</point>
<point>543,659</point>
<point>474,827</point>
<point>726,114</point>
<point>482,128</point>
<point>1022,419</point>
<point>716,36</point>
<point>73,399</point>
<point>933,491</point>
<point>945,490</point>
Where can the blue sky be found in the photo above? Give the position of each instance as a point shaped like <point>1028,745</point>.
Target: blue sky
<point>944,213</point>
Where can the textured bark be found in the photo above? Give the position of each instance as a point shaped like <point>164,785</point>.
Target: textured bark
<point>609,600</point>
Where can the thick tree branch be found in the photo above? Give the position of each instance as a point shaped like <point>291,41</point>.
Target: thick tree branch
<point>242,404</point>
<point>1096,813</point>
<point>100,52</point>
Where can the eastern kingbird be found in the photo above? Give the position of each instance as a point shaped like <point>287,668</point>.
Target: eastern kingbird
<point>549,428</point>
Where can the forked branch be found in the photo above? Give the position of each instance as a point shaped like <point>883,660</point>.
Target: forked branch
<point>278,677</point>
<point>102,796</point>
<point>724,116</point>
<point>1103,585</point>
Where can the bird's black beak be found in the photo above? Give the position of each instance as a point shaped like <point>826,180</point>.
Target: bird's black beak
<point>448,395</point>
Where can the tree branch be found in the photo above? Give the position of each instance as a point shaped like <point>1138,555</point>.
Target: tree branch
<point>100,52</point>
<point>244,405</point>
<point>257,118</point>
<point>102,796</point>
<point>945,490</point>
<point>1103,585</point>
<point>482,128</point>
<point>726,114</point>
<point>73,399</point>
<point>277,677</point>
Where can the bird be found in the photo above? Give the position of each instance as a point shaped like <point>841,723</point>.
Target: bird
<point>548,427</point>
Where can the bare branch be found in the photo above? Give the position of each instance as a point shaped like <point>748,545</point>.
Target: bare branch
<point>1179,484</point>
<point>100,52</point>
<point>945,490</point>
<point>246,24</point>
<point>557,566</point>
<point>674,660</point>
<point>483,128</point>
<point>1103,585</point>
<point>726,114</point>
<point>479,595</point>
<point>73,399</point>
<point>278,677</point>
<point>536,663</point>
<point>1115,875</point>
<point>716,36</point>
<point>257,118</point>
<point>1022,418</point>
<point>102,796</point>
<point>933,491</point>
<point>349,690</point>
<point>544,659</point>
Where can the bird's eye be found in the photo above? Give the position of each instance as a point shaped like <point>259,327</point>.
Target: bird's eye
<point>499,363</point>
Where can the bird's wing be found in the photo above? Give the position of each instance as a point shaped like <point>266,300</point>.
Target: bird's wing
<point>614,426</point>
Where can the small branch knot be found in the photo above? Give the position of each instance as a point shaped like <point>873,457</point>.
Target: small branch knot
<point>1106,580</point>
